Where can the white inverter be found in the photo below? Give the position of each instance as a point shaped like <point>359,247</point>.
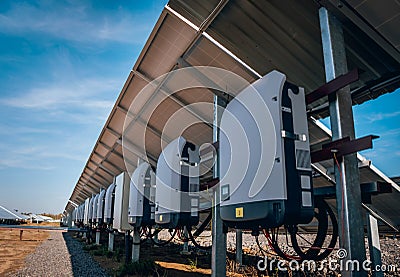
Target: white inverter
<point>90,212</point>
<point>121,202</point>
<point>177,185</point>
<point>265,162</point>
<point>109,204</point>
<point>142,196</point>
<point>78,214</point>
<point>74,214</point>
<point>100,207</point>
<point>86,212</point>
<point>94,212</point>
<point>81,212</point>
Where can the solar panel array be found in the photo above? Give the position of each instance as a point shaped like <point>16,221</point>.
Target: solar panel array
<point>249,38</point>
<point>8,214</point>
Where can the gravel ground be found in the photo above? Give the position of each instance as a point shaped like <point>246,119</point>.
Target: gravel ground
<point>60,255</point>
<point>390,247</point>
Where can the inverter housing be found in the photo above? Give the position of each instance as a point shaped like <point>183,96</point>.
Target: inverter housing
<point>78,214</point>
<point>94,212</point>
<point>100,206</point>
<point>70,219</point>
<point>74,214</point>
<point>81,212</point>
<point>90,211</point>
<point>109,204</point>
<point>86,212</point>
<point>265,163</point>
<point>177,185</point>
<point>121,202</point>
<point>142,196</point>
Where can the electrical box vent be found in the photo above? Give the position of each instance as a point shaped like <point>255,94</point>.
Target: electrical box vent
<point>303,159</point>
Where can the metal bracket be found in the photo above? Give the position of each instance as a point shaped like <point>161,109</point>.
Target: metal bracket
<point>289,135</point>
<point>342,147</point>
<point>366,189</point>
<point>332,86</point>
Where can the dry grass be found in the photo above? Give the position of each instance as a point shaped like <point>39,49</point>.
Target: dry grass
<point>13,250</point>
<point>47,224</point>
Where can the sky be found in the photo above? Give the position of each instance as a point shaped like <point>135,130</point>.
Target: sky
<point>63,65</point>
<point>380,117</point>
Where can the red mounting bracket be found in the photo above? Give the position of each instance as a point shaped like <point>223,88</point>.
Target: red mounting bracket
<point>342,147</point>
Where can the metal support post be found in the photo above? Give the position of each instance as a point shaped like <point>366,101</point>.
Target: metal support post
<point>348,194</point>
<point>374,246</point>
<point>111,241</point>
<point>155,238</point>
<point>218,260</point>
<point>128,246</point>
<point>135,245</point>
<point>69,221</point>
<point>97,237</point>
<point>185,250</point>
<point>239,239</point>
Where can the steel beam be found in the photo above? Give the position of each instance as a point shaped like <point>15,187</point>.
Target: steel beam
<point>97,237</point>
<point>112,174</point>
<point>135,245</point>
<point>332,86</point>
<point>342,147</point>
<point>348,194</point>
<point>239,243</point>
<point>378,215</point>
<point>111,241</point>
<point>375,254</point>
<point>134,149</point>
<point>149,127</point>
<point>119,170</point>
<point>218,260</point>
<point>171,96</point>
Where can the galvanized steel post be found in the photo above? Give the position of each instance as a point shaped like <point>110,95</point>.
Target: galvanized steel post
<point>375,254</point>
<point>239,239</point>
<point>111,241</point>
<point>348,194</point>
<point>135,245</point>
<point>218,257</point>
<point>97,236</point>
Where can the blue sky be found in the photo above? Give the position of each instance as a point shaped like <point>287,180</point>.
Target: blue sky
<point>380,117</point>
<point>63,64</point>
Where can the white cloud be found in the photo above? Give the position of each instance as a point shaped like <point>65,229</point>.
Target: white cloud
<point>75,22</point>
<point>22,130</point>
<point>61,95</point>
<point>24,163</point>
<point>36,154</point>
<point>390,133</point>
<point>373,117</point>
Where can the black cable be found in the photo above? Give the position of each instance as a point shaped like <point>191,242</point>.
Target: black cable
<point>181,234</point>
<point>313,253</point>
<point>275,246</point>
<point>164,242</point>
<point>193,240</point>
<point>203,225</point>
<point>265,252</point>
<point>315,248</point>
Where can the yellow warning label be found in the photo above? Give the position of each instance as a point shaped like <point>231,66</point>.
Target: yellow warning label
<point>239,212</point>
<point>160,217</point>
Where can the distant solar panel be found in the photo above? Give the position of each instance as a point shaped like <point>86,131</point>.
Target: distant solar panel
<point>7,214</point>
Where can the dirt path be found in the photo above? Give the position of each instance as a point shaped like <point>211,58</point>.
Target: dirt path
<point>13,250</point>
